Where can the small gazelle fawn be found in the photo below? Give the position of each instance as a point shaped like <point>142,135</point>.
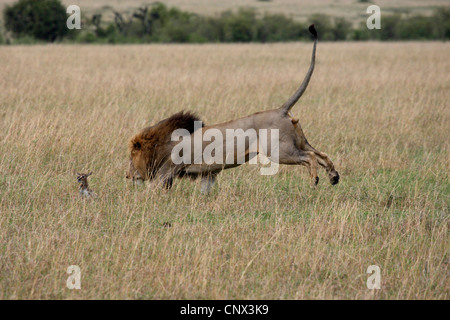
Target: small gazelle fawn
<point>84,187</point>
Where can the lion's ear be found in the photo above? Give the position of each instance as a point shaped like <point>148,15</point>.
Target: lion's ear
<point>137,145</point>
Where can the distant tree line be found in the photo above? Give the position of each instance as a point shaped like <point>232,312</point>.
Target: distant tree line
<point>45,20</point>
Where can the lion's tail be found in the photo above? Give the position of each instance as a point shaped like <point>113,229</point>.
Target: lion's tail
<point>292,100</point>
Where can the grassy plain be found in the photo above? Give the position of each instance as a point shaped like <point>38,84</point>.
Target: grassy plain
<point>380,110</point>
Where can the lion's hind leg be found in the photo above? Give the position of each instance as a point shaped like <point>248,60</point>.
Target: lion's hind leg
<point>326,163</point>
<point>305,158</point>
<point>322,158</point>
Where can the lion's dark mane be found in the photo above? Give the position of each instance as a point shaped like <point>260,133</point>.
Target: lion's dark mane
<point>155,141</point>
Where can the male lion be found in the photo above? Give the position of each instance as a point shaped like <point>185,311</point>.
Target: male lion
<point>151,149</point>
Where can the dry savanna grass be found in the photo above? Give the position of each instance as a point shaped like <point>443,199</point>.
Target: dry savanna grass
<point>380,110</point>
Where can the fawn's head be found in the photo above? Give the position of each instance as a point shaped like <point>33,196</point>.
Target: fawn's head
<point>82,177</point>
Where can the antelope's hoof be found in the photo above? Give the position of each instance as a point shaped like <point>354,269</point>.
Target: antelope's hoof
<point>316,181</point>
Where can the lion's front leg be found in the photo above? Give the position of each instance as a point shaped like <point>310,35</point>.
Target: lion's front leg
<point>207,183</point>
<point>165,175</point>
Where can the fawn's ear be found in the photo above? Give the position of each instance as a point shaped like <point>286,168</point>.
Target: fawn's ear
<point>78,174</point>
<point>89,174</point>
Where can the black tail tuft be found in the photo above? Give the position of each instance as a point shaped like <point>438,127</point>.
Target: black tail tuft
<point>313,31</point>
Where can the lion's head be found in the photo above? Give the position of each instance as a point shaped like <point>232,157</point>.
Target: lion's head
<point>151,147</point>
